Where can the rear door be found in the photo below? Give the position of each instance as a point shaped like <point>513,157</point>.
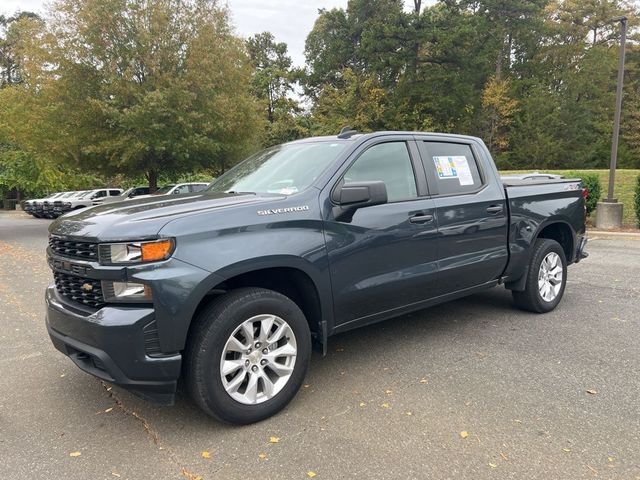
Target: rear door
<point>384,258</point>
<point>471,213</point>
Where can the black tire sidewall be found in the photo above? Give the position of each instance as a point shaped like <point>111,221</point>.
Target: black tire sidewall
<point>547,246</point>
<point>207,354</point>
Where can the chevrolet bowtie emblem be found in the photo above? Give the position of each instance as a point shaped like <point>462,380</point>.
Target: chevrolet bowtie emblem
<point>87,287</point>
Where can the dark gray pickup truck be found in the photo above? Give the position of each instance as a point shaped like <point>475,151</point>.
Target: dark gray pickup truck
<point>229,288</point>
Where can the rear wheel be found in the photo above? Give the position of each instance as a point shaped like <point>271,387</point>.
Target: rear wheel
<point>247,356</point>
<point>546,278</point>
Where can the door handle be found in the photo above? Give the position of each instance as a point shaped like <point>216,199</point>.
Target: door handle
<point>421,218</point>
<point>494,209</point>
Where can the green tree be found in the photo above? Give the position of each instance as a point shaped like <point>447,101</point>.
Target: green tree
<point>272,83</point>
<point>135,86</point>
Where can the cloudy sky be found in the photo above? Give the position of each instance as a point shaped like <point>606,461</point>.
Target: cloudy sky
<point>289,20</point>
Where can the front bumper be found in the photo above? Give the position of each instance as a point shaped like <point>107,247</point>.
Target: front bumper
<point>110,344</point>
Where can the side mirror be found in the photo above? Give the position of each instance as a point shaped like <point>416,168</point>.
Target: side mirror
<point>352,196</point>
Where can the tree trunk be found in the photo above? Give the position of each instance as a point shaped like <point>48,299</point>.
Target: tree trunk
<point>152,176</point>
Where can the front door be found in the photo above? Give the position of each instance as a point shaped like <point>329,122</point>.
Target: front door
<point>385,257</point>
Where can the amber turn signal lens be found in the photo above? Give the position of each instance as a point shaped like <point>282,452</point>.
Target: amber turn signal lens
<point>156,250</point>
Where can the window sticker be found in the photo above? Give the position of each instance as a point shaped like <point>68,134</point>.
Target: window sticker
<point>445,167</point>
<point>454,167</point>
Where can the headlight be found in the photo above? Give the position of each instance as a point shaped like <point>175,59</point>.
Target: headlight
<point>135,252</point>
<point>126,292</point>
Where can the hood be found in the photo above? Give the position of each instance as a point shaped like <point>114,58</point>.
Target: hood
<point>144,218</point>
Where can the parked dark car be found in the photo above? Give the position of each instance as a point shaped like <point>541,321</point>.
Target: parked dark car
<point>228,287</point>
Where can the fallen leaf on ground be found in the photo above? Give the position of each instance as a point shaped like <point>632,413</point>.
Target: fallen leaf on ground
<point>566,450</point>
<point>423,380</point>
<point>408,413</point>
<point>62,376</point>
<point>116,474</point>
<point>205,454</point>
<point>311,474</point>
<point>306,385</point>
<point>108,410</point>
<point>75,454</point>
<point>262,456</point>
<point>388,392</point>
<point>504,457</point>
<point>592,392</point>
<point>493,465</point>
<point>385,405</point>
<point>611,459</point>
<point>362,404</point>
<point>274,439</point>
<point>464,434</point>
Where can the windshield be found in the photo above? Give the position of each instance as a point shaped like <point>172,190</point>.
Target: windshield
<point>67,195</point>
<point>284,169</point>
<point>163,190</point>
<point>82,195</point>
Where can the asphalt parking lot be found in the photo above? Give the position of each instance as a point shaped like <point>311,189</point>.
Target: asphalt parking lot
<point>550,397</point>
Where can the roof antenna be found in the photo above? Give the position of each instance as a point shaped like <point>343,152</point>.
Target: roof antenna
<point>347,132</point>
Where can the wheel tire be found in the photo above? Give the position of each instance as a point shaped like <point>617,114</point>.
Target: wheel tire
<point>212,329</point>
<point>531,298</point>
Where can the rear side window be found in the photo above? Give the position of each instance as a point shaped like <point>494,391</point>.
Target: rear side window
<point>198,188</point>
<point>387,162</point>
<point>452,167</point>
<point>114,193</point>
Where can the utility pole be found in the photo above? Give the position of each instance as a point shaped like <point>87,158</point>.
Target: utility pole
<point>609,212</point>
<point>616,120</point>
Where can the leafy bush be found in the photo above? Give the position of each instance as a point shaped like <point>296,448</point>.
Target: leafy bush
<point>592,182</point>
<point>636,199</point>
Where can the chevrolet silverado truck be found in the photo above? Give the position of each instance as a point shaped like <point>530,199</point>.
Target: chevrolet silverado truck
<point>228,289</point>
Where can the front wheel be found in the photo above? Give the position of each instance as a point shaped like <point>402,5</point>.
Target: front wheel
<point>247,355</point>
<point>546,278</point>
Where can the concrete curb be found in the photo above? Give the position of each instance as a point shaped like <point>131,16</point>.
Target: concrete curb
<point>591,233</point>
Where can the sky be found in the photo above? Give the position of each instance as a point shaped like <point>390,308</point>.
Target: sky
<point>289,20</point>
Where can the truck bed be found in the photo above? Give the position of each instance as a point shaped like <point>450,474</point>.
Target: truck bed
<point>518,182</point>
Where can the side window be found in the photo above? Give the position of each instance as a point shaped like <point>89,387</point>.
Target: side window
<point>197,188</point>
<point>100,194</point>
<point>114,193</point>
<point>182,189</point>
<point>387,162</point>
<point>452,167</point>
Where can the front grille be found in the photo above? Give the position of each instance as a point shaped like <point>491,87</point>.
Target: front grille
<point>73,249</point>
<point>82,290</point>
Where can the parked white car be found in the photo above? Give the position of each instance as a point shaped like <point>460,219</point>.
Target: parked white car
<point>83,200</point>
<point>36,206</point>
<point>176,189</point>
<point>132,192</point>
